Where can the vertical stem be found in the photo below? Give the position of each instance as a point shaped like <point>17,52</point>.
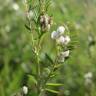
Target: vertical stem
<point>38,75</point>
<point>38,68</point>
<point>35,47</point>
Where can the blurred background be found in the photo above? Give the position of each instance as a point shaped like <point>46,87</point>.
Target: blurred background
<point>78,73</point>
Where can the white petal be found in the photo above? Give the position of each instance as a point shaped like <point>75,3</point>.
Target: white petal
<point>67,40</point>
<point>54,35</point>
<point>15,6</point>
<point>60,40</point>
<point>61,29</point>
<point>65,54</point>
<point>88,75</point>
<point>63,40</point>
<point>25,89</point>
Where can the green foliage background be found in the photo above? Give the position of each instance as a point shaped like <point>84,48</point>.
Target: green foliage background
<point>16,53</point>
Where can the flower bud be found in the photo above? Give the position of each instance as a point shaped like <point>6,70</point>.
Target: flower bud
<point>25,90</point>
<point>45,22</point>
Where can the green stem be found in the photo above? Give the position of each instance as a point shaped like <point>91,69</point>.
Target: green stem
<point>38,67</point>
<point>38,74</point>
<point>35,48</point>
<point>48,77</point>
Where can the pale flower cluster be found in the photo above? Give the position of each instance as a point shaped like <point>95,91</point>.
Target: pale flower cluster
<point>58,36</point>
<point>88,78</point>
<point>45,22</point>
<point>62,40</point>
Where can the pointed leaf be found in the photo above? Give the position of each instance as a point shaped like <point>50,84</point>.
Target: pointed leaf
<point>49,58</point>
<point>52,91</point>
<point>58,65</point>
<point>27,27</point>
<point>32,79</point>
<point>54,84</point>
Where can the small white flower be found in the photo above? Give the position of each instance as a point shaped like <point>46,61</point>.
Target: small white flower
<point>65,54</point>
<point>88,75</point>
<point>15,6</point>
<point>54,35</point>
<point>25,89</point>
<point>61,40</point>
<point>67,40</point>
<point>61,29</point>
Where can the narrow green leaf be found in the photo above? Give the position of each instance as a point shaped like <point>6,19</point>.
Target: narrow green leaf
<point>52,91</point>
<point>53,75</point>
<point>27,27</point>
<point>54,84</point>
<point>49,58</point>
<point>48,3</point>
<point>58,65</point>
<point>32,79</point>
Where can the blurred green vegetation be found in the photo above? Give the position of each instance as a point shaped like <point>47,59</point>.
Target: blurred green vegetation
<point>16,53</point>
